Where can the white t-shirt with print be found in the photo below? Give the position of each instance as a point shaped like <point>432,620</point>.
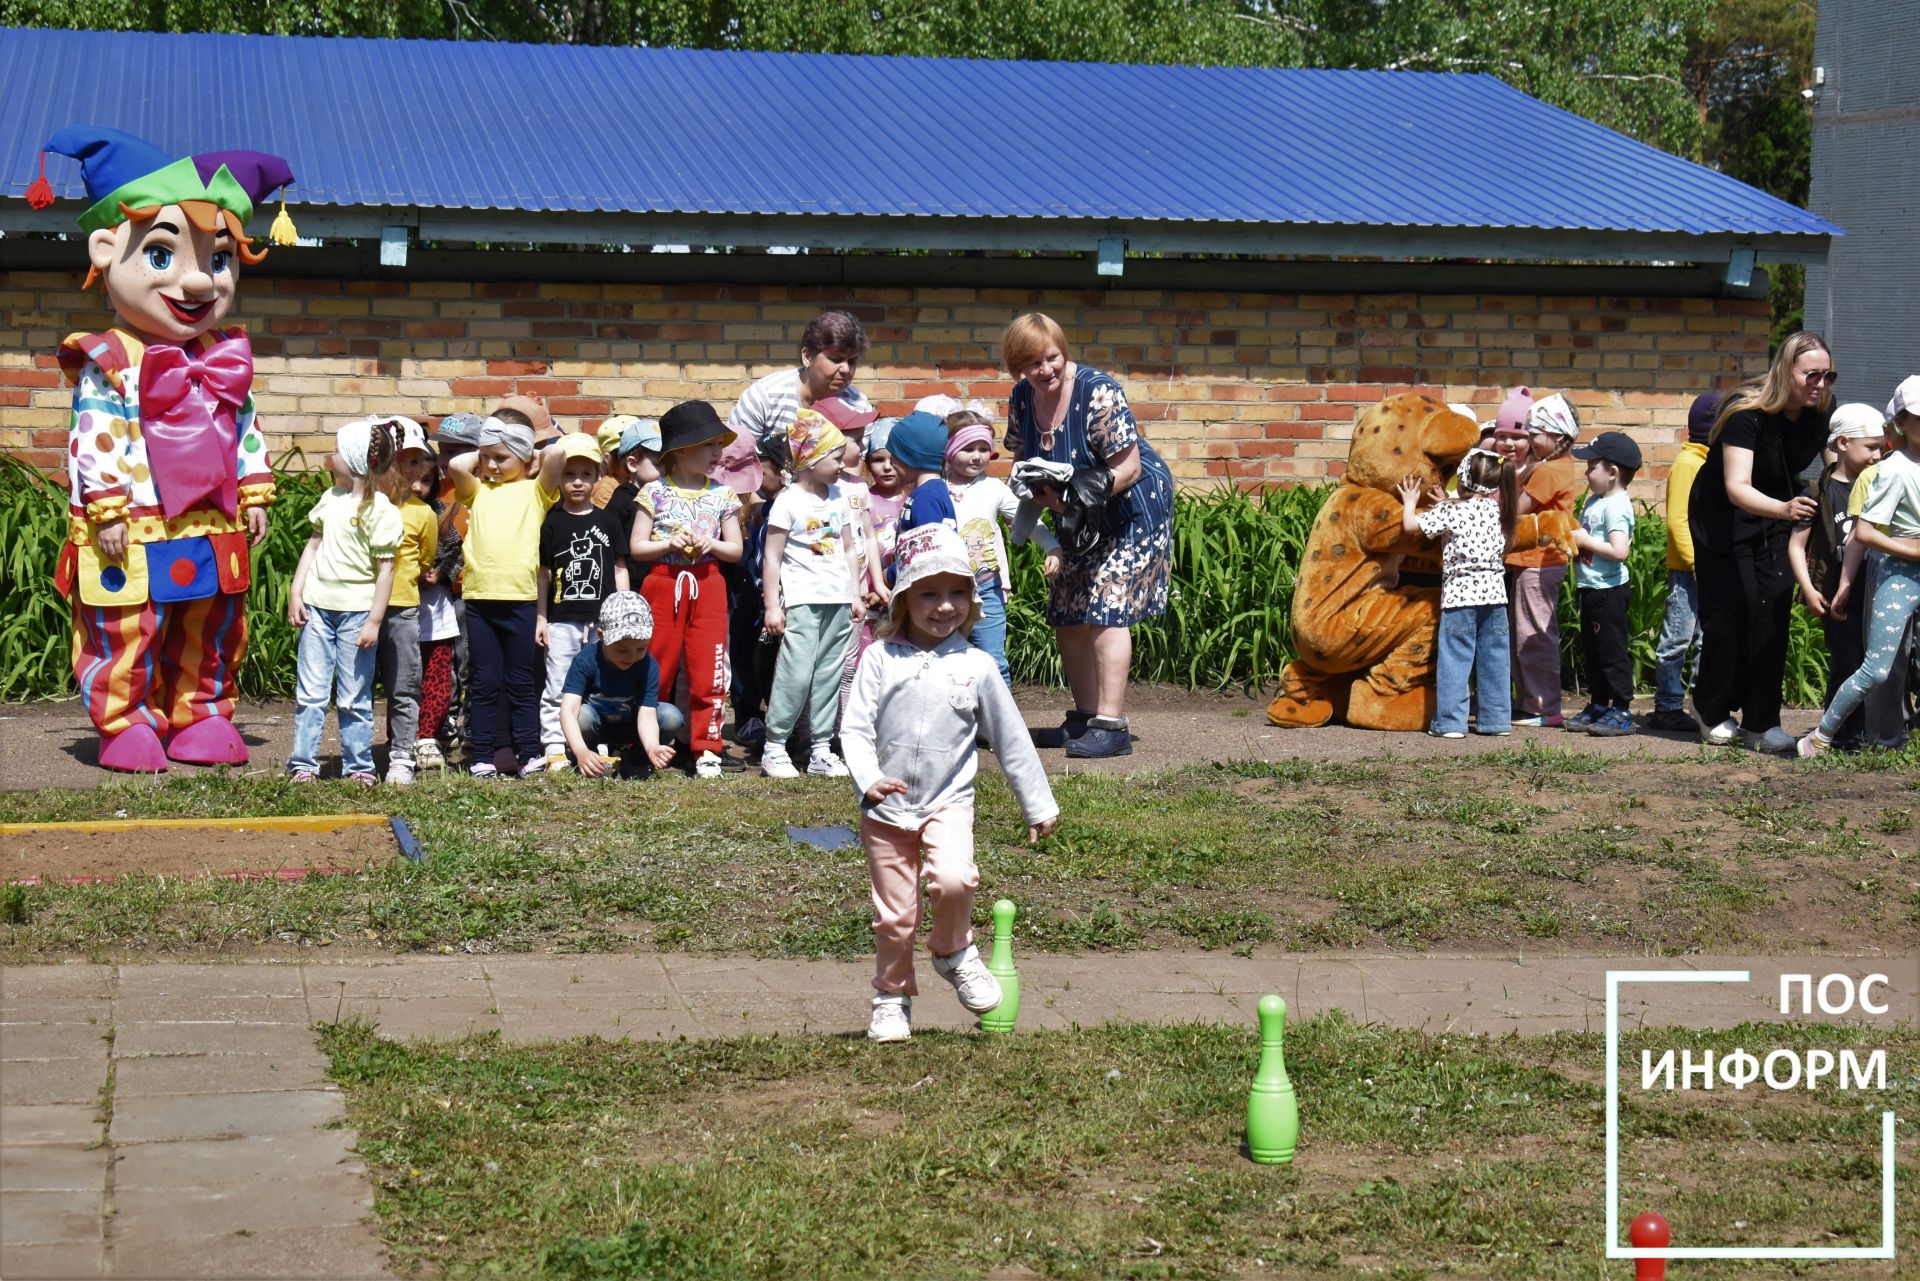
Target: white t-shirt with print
<point>1893,501</point>
<point>1473,562</point>
<point>813,568</point>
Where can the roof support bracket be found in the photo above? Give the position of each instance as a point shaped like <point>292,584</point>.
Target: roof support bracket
<point>1112,256</point>
<point>1739,271</point>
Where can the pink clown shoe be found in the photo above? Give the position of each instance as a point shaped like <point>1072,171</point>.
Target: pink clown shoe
<point>133,751</point>
<point>213,741</point>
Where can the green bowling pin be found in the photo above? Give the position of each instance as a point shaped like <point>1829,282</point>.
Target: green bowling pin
<point>1273,1114</point>
<point>1001,1017</point>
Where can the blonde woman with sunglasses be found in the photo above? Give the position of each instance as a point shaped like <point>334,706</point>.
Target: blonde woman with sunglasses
<point>1745,502</point>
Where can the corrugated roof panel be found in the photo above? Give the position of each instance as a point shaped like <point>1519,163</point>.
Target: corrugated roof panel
<point>477,125</point>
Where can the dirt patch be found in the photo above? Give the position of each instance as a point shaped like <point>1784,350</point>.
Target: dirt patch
<point>65,854</point>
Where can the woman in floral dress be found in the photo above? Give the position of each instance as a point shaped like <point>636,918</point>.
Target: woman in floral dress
<point>1067,413</point>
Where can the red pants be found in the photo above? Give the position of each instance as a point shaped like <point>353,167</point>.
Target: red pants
<point>689,604</point>
<point>436,685</point>
<point>167,666</point>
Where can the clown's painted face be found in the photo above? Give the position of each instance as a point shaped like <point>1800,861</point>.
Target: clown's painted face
<point>167,278</point>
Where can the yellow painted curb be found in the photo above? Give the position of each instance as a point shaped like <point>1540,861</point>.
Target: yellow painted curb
<point>280,823</point>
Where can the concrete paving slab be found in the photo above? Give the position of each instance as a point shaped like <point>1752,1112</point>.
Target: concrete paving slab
<point>59,982</point>
<point>55,1124</point>
<point>51,1218</point>
<point>34,1009</point>
<point>131,1040</point>
<point>22,1041</point>
<point>224,1008</point>
<point>306,1253</point>
<point>410,978</point>
<point>216,1074</point>
<point>53,1169</point>
<point>146,1215</point>
<point>165,979</point>
<point>51,1262</point>
<point>52,1081</point>
<point>175,1117</point>
<point>215,1162</point>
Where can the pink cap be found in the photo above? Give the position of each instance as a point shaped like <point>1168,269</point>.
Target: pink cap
<point>739,465</point>
<point>1512,418</point>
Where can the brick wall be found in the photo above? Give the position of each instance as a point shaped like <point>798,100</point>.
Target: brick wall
<point>1231,387</point>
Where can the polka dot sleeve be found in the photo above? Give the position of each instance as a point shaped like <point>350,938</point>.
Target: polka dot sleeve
<point>99,458</point>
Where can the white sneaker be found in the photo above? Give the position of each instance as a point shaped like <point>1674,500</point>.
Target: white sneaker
<point>978,990</point>
<point>538,765</point>
<point>557,762</point>
<point>426,755</point>
<point>706,765</point>
<point>824,763</point>
<point>1812,745</point>
<point>1723,734</point>
<point>775,760</point>
<point>892,1019</point>
<point>484,769</point>
<point>399,772</point>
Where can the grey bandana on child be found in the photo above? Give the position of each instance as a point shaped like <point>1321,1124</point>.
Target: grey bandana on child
<point>514,436</point>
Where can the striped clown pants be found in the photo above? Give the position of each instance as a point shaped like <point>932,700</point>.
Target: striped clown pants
<point>167,665</point>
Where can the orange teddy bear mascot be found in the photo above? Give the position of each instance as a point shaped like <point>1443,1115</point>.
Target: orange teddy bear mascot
<point>1366,601</point>
<point>168,470</point>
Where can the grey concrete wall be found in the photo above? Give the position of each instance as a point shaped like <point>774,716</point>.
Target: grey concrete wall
<point>1866,178</point>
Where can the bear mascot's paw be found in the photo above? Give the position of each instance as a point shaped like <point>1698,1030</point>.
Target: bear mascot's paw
<point>1366,602</point>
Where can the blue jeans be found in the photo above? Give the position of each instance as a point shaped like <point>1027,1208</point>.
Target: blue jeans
<point>1473,641</point>
<point>990,633</point>
<point>330,662</point>
<point>1679,637</point>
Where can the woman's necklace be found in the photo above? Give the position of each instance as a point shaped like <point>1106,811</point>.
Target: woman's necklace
<point>1049,421</point>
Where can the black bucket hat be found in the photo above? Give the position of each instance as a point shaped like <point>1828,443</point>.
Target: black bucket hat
<point>690,423</point>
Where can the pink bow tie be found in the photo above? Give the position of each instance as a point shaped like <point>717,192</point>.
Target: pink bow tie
<point>224,370</point>
<point>188,404</point>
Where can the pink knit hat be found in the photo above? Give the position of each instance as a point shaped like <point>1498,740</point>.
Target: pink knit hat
<point>1512,418</point>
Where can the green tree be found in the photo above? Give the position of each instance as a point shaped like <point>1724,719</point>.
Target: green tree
<point>1745,71</point>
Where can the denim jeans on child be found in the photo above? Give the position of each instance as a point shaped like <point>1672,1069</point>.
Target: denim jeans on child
<point>1473,641</point>
<point>1679,638</point>
<point>331,662</point>
<point>990,633</point>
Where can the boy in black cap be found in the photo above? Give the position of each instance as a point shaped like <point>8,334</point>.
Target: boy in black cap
<point>1603,540</point>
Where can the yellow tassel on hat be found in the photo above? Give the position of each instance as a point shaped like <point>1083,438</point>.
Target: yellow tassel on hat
<point>282,232</point>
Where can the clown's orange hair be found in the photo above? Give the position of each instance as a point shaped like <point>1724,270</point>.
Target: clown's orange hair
<point>203,214</point>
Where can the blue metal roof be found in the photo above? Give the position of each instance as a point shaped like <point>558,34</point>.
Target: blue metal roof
<point>475,126</point>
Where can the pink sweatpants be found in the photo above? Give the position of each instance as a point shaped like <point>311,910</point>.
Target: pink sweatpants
<point>897,858</point>
<point>1534,597</point>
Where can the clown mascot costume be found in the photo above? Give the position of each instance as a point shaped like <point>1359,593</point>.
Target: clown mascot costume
<point>168,470</point>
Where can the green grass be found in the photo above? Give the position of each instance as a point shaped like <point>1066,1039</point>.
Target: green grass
<point>1492,851</point>
<point>1228,620</point>
<point>1108,1151</point>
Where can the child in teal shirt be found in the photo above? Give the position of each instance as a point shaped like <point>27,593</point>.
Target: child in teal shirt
<point>1601,584</point>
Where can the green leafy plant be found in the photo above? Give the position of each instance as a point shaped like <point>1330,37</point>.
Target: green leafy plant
<point>36,622</point>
